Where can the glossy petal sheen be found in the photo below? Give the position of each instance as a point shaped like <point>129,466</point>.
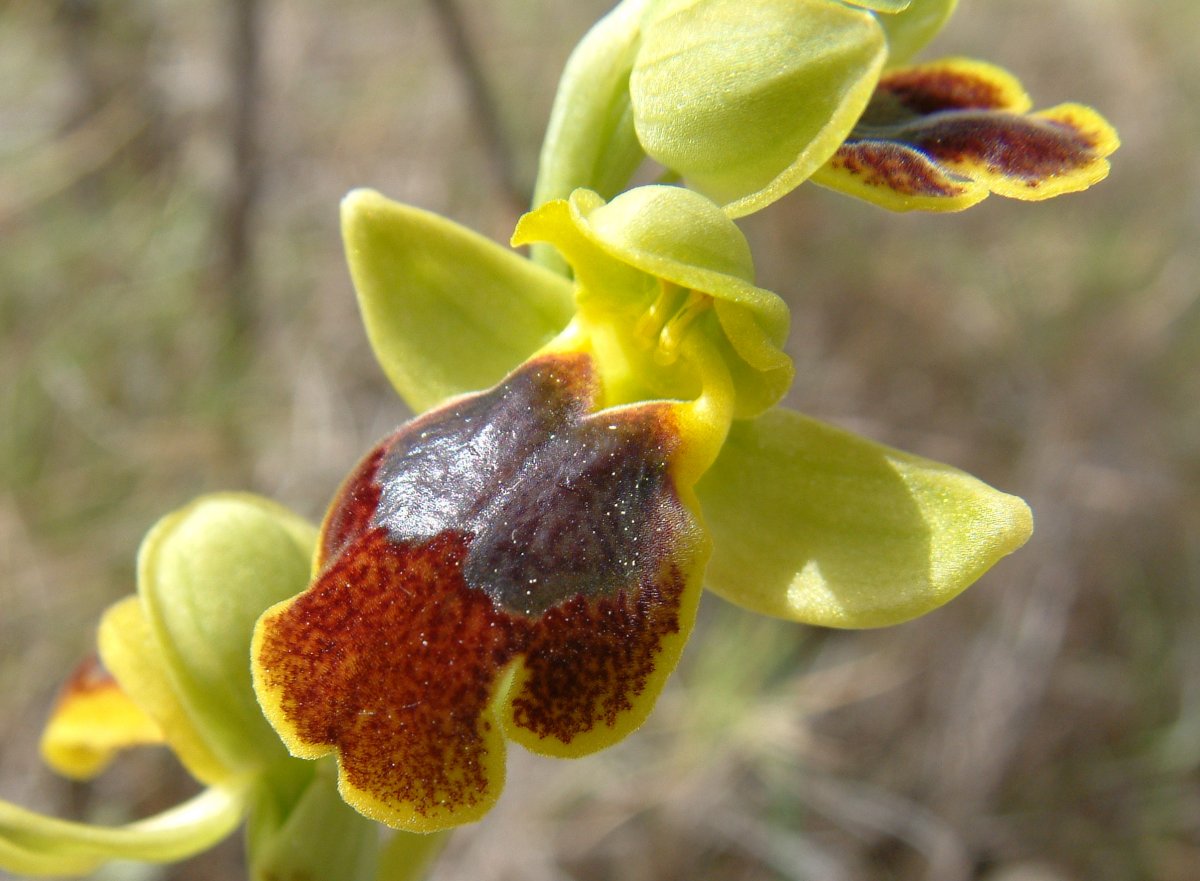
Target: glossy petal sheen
<point>747,99</point>
<point>813,524</point>
<point>446,310</point>
<point>93,720</point>
<point>510,563</point>
<point>941,136</point>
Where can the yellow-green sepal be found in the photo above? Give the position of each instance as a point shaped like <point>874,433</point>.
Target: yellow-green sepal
<point>746,100</point>
<point>205,574</point>
<point>130,649</point>
<point>649,240</point>
<point>911,28</point>
<point>814,524</point>
<point>446,310</point>
<point>590,139</point>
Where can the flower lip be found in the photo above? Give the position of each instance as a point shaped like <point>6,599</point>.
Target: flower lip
<point>943,135</point>
<point>544,590</point>
<point>555,504</point>
<point>952,84</point>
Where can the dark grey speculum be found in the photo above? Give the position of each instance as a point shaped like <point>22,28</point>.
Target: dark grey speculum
<point>558,503</point>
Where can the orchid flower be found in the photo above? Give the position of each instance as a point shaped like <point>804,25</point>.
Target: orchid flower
<point>525,562</point>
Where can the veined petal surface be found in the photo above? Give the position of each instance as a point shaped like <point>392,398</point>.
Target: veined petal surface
<point>814,524</point>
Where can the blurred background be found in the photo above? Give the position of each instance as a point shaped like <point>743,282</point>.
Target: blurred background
<point>176,318</point>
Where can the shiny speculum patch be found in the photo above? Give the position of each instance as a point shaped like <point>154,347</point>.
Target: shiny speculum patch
<point>515,523</point>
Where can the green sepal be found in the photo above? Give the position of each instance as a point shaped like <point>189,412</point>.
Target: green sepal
<point>446,310</point>
<point>909,31</point>
<point>590,140</point>
<point>130,648</point>
<point>747,99</point>
<point>205,574</point>
<point>33,844</point>
<point>814,524</point>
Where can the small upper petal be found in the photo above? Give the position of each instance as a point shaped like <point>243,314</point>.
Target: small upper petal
<point>627,252</point>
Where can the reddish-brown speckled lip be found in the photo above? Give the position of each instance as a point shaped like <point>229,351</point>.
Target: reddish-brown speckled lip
<point>923,91</point>
<point>533,530</point>
<point>1019,147</point>
<point>957,117</point>
<point>896,167</point>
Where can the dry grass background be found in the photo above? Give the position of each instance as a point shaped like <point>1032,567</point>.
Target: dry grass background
<point>1043,727</point>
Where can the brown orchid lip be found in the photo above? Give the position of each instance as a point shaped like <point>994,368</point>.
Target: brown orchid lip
<point>1020,147</point>
<point>516,525</point>
<point>934,130</point>
<point>925,90</point>
<point>896,167</point>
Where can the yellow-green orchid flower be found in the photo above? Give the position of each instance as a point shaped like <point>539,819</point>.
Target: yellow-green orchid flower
<point>173,670</point>
<point>746,99</point>
<point>525,562</point>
